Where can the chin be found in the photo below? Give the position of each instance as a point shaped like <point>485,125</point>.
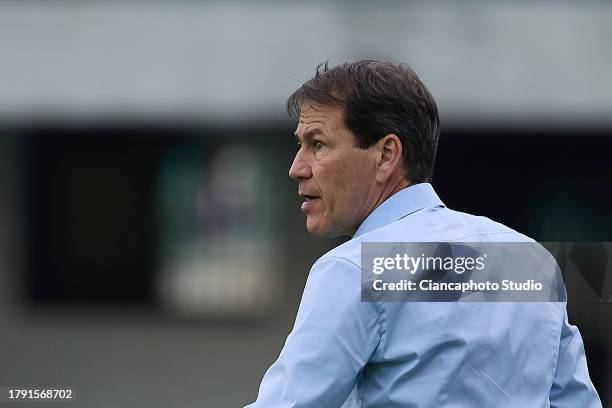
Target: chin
<point>317,229</point>
<point>324,231</point>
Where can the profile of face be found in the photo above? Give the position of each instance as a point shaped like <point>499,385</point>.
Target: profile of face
<point>337,179</point>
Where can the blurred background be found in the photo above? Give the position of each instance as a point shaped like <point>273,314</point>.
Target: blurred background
<point>152,250</point>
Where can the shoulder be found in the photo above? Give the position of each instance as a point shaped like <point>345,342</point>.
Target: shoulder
<point>476,226</point>
<point>428,225</point>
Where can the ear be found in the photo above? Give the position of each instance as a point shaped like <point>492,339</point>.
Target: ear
<point>389,157</point>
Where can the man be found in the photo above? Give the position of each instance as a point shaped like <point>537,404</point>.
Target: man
<point>367,136</point>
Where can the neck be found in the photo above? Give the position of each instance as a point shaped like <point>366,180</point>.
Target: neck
<point>387,191</point>
<point>390,189</point>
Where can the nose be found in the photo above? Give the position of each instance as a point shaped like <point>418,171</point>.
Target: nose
<point>300,169</point>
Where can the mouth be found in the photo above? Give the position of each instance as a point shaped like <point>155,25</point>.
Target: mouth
<point>309,201</point>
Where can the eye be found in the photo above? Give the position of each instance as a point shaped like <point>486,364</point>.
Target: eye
<point>318,145</point>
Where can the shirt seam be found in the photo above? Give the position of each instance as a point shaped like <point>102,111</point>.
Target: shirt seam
<point>380,307</point>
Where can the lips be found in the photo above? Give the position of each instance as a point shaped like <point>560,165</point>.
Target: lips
<point>310,201</point>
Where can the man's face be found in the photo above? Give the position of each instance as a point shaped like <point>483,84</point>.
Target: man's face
<point>336,177</point>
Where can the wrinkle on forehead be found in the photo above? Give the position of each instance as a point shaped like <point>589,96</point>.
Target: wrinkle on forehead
<point>308,112</point>
<point>327,116</point>
<point>310,118</point>
<point>304,125</point>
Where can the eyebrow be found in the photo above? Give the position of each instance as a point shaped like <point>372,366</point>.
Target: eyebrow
<point>309,134</point>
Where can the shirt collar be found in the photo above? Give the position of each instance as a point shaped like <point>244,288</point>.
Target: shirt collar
<point>406,201</point>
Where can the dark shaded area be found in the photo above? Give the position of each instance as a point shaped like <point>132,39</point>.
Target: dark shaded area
<point>552,185</point>
<point>90,213</point>
<point>591,257</point>
<point>91,197</point>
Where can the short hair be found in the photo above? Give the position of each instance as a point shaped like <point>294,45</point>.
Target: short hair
<point>379,98</point>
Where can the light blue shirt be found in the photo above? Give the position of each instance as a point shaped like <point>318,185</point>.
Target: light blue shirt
<point>391,354</point>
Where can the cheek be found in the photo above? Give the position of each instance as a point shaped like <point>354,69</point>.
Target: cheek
<point>353,183</point>
<point>345,184</point>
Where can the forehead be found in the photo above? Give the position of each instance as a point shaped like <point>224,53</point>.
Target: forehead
<point>327,118</point>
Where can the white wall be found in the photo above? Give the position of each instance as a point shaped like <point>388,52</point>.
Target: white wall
<point>208,61</point>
